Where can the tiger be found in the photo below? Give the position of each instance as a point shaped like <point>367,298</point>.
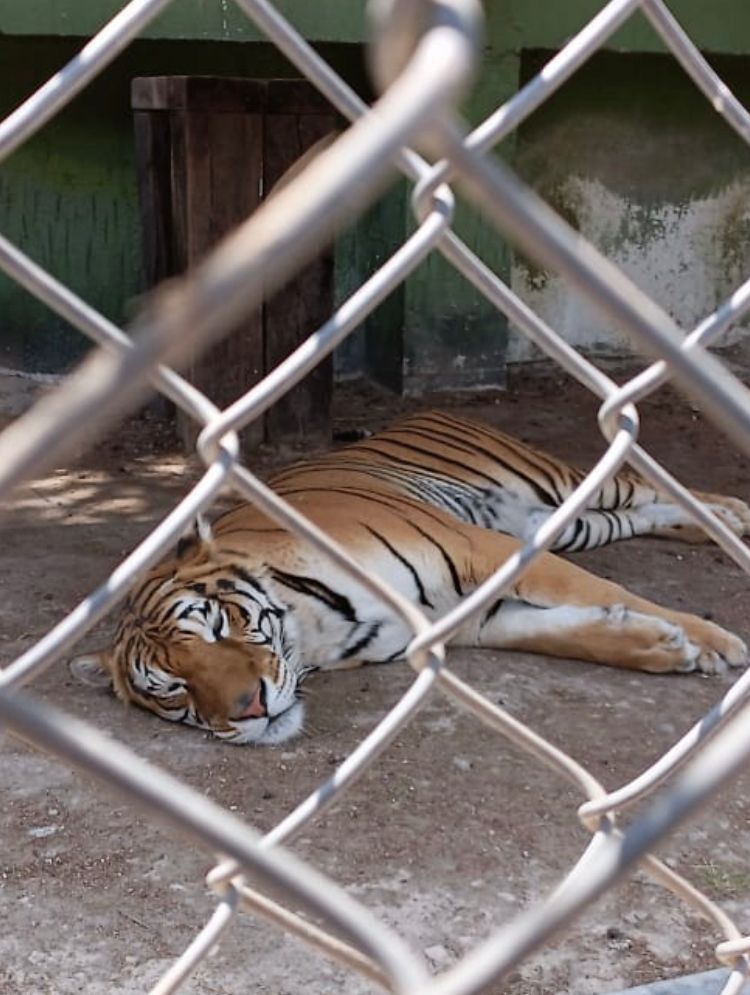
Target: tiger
<point>222,634</point>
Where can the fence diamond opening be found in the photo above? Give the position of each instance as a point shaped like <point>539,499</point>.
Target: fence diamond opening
<point>423,54</point>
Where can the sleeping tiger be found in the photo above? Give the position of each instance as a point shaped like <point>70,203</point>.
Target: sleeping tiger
<point>221,635</point>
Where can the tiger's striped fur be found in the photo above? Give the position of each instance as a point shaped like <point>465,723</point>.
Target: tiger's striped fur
<point>221,636</point>
<point>489,479</point>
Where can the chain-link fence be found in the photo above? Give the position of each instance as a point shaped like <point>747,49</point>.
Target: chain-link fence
<point>423,56</point>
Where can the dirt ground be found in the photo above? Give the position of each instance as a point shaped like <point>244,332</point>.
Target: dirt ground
<point>451,834</point>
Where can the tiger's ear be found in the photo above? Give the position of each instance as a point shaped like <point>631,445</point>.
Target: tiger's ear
<point>198,540</point>
<point>92,669</point>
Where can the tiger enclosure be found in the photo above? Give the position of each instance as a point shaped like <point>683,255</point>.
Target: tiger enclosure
<point>414,834</point>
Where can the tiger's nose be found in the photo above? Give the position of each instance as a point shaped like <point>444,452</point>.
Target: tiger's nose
<point>256,709</point>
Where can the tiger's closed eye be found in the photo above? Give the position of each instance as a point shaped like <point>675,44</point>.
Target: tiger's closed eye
<point>173,689</point>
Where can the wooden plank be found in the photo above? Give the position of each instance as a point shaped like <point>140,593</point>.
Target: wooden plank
<point>154,168</point>
<point>303,415</point>
<point>216,185</point>
<point>153,157</point>
<point>214,94</point>
<point>209,150</point>
<point>294,96</point>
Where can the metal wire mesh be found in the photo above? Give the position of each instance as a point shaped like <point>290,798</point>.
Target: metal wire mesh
<point>424,53</point>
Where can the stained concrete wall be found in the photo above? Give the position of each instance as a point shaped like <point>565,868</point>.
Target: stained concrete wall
<point>634,158</point>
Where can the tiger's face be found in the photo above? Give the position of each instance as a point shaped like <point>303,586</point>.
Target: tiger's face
<point>211,649</point>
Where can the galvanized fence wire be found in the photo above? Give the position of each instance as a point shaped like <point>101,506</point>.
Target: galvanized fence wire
<point>424,54</point>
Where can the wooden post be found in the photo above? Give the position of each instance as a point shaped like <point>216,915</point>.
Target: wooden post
<point>294,126</point>
<point>208,151</point>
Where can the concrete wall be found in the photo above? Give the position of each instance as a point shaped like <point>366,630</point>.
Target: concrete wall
<point>627,151</point>
<point>632,156</point>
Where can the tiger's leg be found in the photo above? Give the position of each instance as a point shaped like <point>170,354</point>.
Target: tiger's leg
<point>640,511</point>
<point>612,635</point>
<point>598,526</point>
<point>733,511</point>
<point>628,505</point>
<point>532,484</point>
<point>624,507</point>
<point>559,609</point>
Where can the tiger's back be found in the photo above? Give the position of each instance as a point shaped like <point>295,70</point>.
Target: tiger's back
<point>436,447</point>
<point>472,471</point>
<point>487,478</point>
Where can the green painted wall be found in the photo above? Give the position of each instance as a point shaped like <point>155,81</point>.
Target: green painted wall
<point>68,198</point>
<point>452,336</point>
<point>717,25</point>
<point>217,20</point>
<point>378,345</point>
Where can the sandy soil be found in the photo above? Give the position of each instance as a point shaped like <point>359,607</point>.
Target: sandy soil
<point>450,835</point>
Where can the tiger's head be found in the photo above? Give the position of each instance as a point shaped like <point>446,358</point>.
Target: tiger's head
<point>203,641</point>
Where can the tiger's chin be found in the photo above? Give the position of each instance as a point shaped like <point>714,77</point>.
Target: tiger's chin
<point>267,731</point>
